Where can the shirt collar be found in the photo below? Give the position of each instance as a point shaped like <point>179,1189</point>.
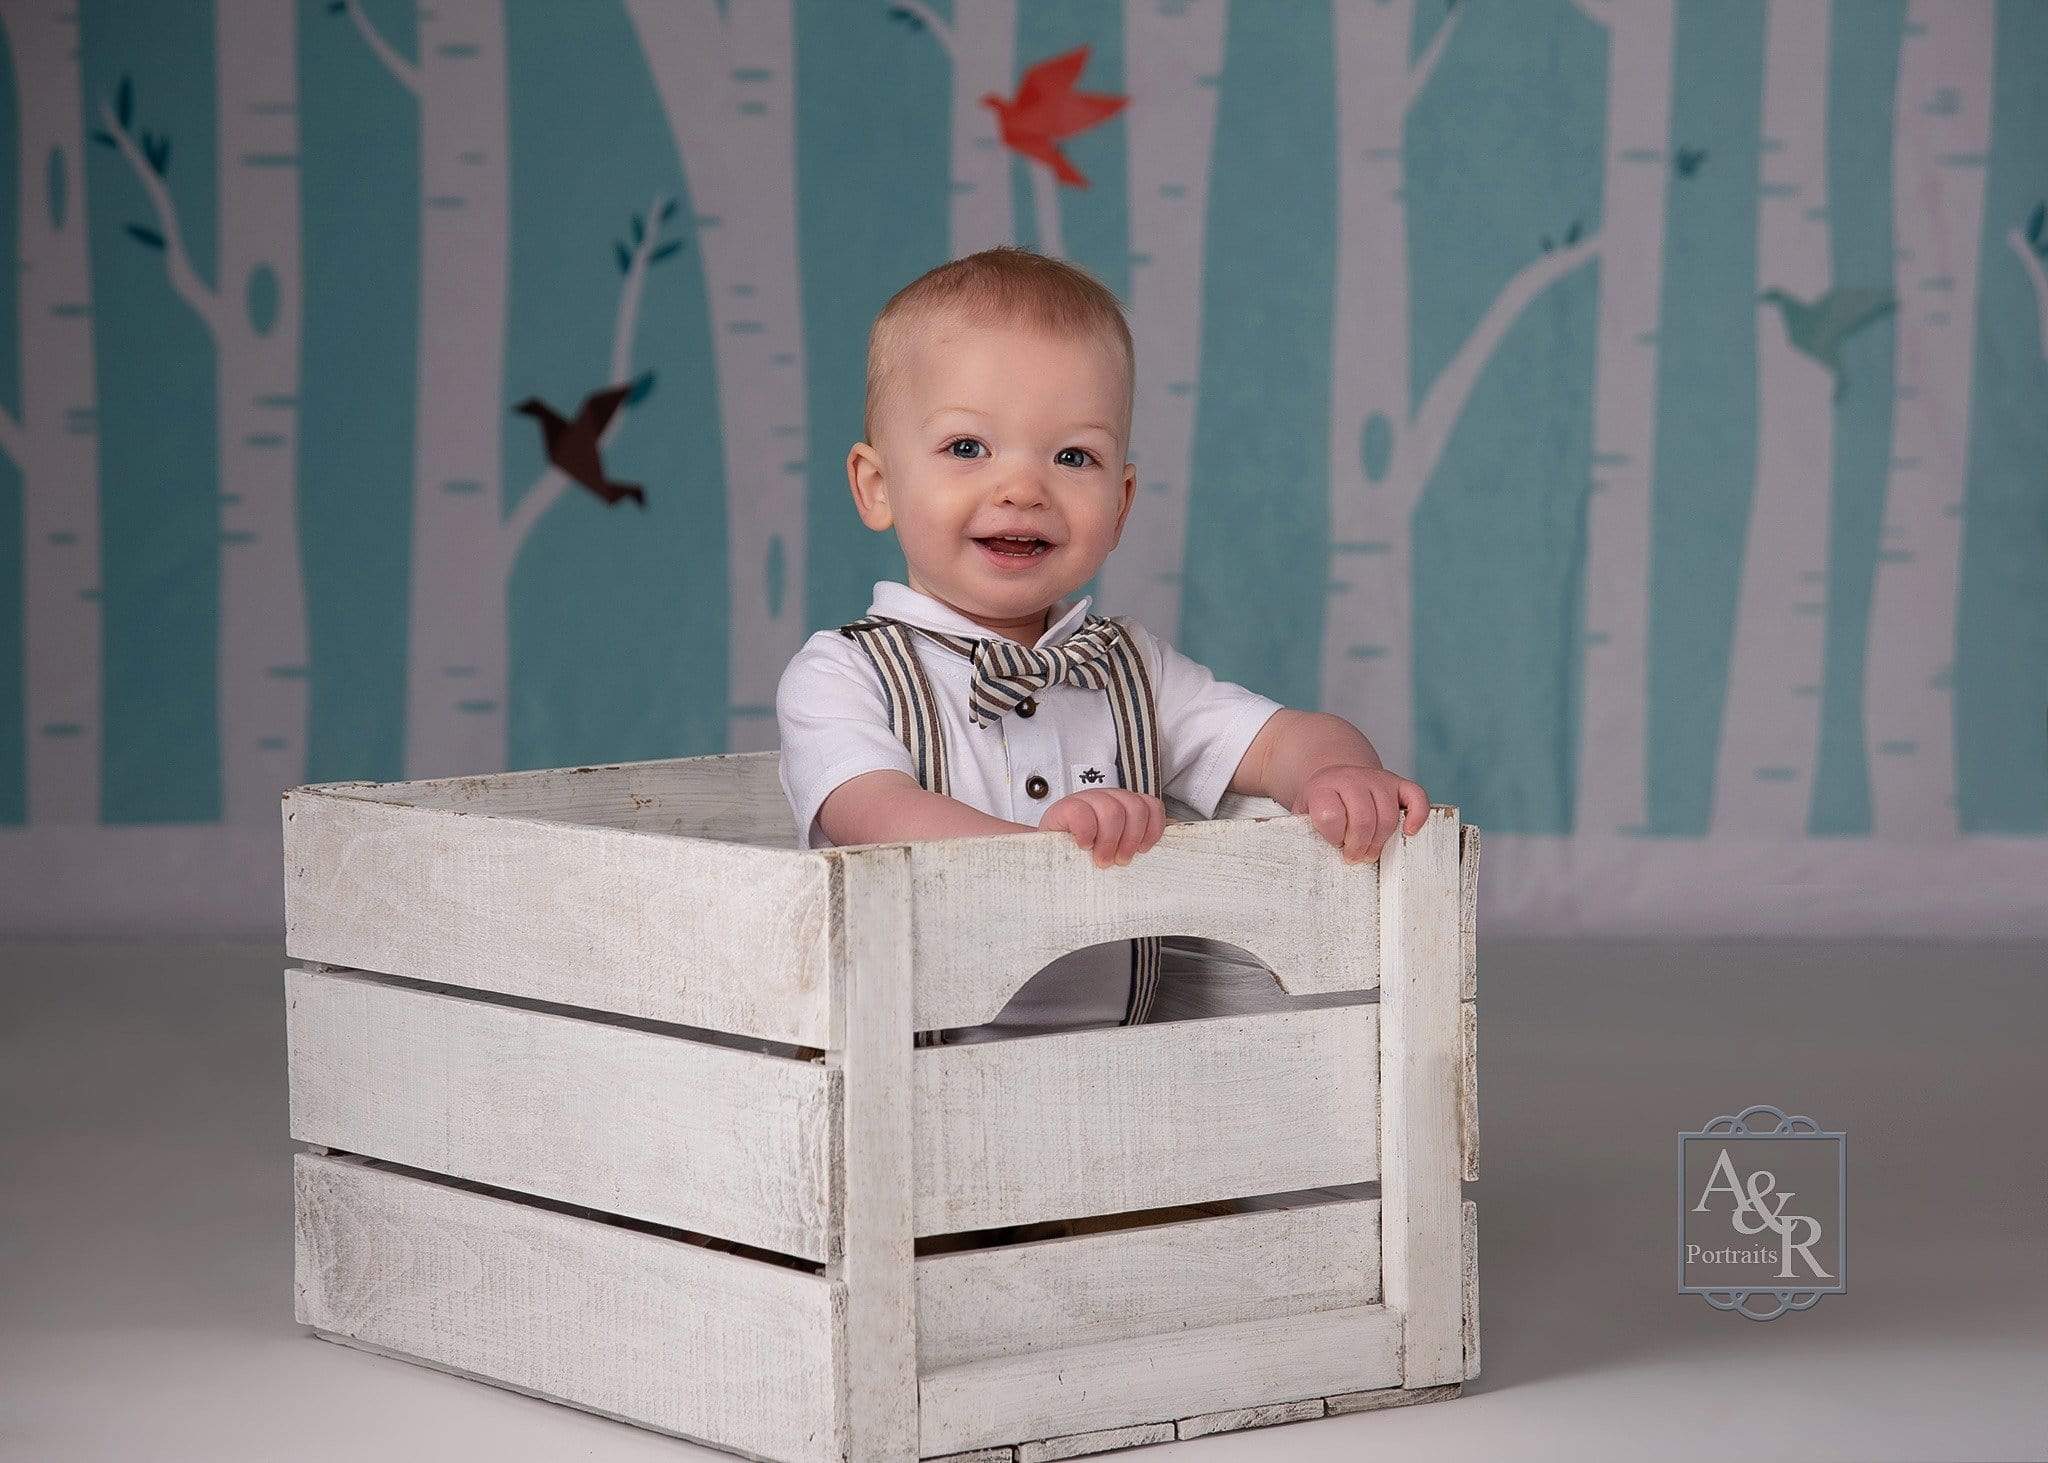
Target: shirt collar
<point>901,602</point>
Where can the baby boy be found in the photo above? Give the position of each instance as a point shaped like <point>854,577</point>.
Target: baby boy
<point>999,394</point>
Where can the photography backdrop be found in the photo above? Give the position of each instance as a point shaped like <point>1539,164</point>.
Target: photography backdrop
<point>1632,414</point>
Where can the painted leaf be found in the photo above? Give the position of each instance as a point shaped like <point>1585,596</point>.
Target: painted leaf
<point>148,236</point>
<point>625,259</point>
<point>642,384</point>
<point>124,101</point>
<point>664,251</point>
<point>2034,222</point>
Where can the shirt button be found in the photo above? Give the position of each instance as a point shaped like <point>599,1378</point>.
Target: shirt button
<point>1036,786</point>
<point>1026,707</point>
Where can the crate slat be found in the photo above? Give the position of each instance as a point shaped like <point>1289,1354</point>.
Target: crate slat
<point>1220,880</point>
<point>1122,1118</point>
<point>682,930</point>
<point>689,1340</point>
<point>682,1133</point>
<point>1160,1377</point>
<point>1421,1165</point>
<point>1160,1278</point>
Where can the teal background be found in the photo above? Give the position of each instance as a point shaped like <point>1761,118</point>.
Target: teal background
<point>616,627</point>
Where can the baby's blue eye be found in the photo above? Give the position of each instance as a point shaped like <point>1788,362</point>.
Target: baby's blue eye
<point>1083,451</point>
<point>957,441</point>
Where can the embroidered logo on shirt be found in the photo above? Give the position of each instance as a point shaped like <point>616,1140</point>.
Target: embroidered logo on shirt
<point>1093,774</point>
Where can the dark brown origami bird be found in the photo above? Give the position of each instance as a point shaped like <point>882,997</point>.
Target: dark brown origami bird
<point>573,446</point>
<point>1048,110</point>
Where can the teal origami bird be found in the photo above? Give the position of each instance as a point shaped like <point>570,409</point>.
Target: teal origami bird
<point>1820,328</point>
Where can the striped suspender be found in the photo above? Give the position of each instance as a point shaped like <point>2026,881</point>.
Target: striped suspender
<point>1137,743</point>
<point>914,716</point>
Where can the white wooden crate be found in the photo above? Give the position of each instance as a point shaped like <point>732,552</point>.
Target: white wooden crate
<point>550,1051</point>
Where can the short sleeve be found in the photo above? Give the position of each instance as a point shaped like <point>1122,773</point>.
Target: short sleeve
<point>833,719</point>
<point>1205,725</point>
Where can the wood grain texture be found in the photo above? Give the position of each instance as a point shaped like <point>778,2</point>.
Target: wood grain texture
<point>1468,911</point>
<point>1102,1121</point>
<point>1111,1384</point>
<point>674,929</point>
<point>1468,1088</point>
<point>682,1133</point>
<point>1373,1401</point>
<point>681,1338</point>
<point>1134,1282</point>
<point>871,1039</point>
<point>1468,1269</point>
<point>1221,880</point>
<point>734,798</point>
<point>1084,1445</point>
<point>1420,1162</point>
<point>1241,1418</point>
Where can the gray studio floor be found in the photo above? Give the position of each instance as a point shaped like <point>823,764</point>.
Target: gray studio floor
<point>145,1222</point>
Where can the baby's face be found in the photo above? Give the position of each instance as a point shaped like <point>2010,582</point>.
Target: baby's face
<point>991,431</point>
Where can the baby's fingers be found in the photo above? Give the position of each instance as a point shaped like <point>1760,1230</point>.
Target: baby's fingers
<point>1111,817</point>
<point>1077,818</point>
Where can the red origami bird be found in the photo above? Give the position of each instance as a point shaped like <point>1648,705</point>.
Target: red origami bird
<point>1048,109</point>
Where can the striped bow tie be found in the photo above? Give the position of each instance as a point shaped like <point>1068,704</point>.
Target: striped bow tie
<point>1005,673</point>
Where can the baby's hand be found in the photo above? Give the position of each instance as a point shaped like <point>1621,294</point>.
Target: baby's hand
<point>1358,808</point>
<point>1117,824</point>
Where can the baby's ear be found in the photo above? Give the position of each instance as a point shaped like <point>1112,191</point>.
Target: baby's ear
<point>870,494</point>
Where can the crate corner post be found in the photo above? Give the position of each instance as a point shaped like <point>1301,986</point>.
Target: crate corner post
<point>1421,1165</point>
<point>871,1041</point>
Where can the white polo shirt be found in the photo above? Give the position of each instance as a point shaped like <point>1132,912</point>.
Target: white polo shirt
<point>834,720</point>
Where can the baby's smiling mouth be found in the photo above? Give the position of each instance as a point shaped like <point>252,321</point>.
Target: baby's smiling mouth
<point>1015,546</point>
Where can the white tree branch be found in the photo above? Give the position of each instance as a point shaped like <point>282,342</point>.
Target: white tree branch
<point>2036,276</point>
<point>941,32</point>
<point>1423,443</point>
<point>10,436</point>
<point>407,73</point>
<point>1418,75</point>
<point>184,280</point>
<point>552,482</point>
<point>1600,12</point>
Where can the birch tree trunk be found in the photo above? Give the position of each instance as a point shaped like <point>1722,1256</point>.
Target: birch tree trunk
<point>980,43</point>
<point>457,666</point>
<point>263,672</point>
<point>726,83</point>
<point>1611,784</point>
<point>1173,62</point>
<point>1770,721</point>
<point>1939,149</point>
<point>55,442</point>
<point>1381,454</point>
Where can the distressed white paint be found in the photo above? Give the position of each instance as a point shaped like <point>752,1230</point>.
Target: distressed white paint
<point>1014,1131</point>
<point>654,1126</point>
<point>726,1350</point>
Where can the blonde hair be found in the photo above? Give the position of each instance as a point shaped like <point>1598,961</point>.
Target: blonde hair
<point>1005,285</point>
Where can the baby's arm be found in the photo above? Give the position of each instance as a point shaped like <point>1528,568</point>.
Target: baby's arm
<point>1318,763</point>
<point>885,805</point>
